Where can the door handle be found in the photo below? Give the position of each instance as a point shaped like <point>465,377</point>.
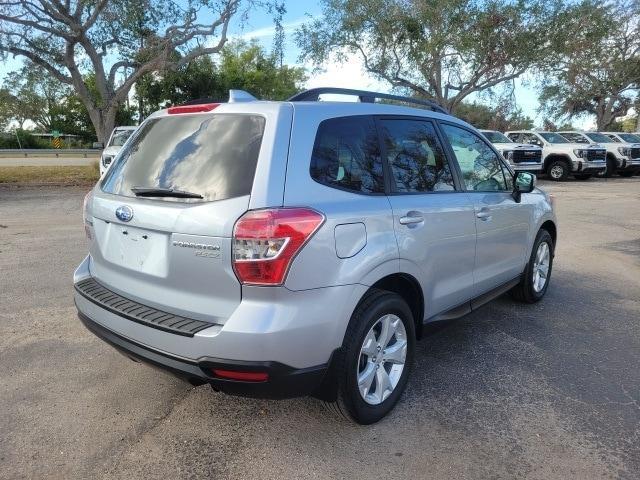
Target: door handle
<point>484,214</point>
<point>411,219</point>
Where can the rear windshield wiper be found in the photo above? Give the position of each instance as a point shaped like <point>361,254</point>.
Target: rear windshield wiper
<point>163,192</point>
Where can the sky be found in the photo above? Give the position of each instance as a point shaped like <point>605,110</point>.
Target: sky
<point>347,75</point>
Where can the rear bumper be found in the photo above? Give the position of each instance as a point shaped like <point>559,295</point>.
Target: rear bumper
<point>283,381</point>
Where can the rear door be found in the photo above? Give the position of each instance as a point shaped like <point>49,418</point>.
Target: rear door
<point>171,252</point>
<point>434,222</point>
<point>502,224</point>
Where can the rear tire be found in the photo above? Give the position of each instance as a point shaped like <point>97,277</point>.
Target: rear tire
<point>530,290</point>
<point>362,372</point>
<point>558,170</point>
<point>583,176</point>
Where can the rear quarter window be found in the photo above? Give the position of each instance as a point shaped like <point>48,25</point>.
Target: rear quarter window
<point>211,155</point>
<point>346,155</point>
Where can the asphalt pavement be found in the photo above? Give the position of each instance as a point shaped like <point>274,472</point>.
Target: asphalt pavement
<point>48,161</point>
<point>545,391</point>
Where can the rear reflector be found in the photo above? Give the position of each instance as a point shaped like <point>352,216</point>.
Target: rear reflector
<point>242,376</point>
<point>265,242</point>
<point>203,107</point>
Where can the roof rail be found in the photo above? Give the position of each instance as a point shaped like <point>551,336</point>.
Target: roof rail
<point>313,95</point>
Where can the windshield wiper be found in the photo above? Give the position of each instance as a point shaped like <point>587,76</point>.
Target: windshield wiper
<point>163,192</point>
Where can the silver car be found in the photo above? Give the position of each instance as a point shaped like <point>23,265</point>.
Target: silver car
<point>277,249</point>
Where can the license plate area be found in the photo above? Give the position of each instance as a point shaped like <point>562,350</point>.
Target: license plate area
<point>134,248</point>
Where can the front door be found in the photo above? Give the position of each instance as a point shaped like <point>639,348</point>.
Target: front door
<point>434,222</point>
<point>502,225</point>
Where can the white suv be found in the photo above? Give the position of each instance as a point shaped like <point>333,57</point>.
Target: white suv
<point>561,157</point>
<point>276,249</point>
<point>117,139</point>
<point>623,159</point>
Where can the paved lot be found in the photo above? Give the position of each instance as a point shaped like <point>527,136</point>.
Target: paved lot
<point>546,391</point>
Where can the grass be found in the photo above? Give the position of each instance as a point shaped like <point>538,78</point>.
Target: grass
<point>54,175</point>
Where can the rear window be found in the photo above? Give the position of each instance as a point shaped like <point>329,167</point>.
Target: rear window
<point>211,155</point>
<point>346,155</point>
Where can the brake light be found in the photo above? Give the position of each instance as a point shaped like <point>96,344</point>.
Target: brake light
<point>202,107</point>
<point>265,242</point>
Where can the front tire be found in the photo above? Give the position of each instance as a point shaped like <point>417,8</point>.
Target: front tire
<point>537,274</point>
<point>610,170</point>
<point>379,347</point>
<point>558,170</point>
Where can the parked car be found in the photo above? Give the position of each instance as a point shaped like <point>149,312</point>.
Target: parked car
<point>277,249</point>
<point>117,139</point>
<point>521,157</point>
<point>623,137</point>
<point>621,159</point>
<point>562,157</point>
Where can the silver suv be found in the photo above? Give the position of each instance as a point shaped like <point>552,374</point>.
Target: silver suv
<point>276,249</point>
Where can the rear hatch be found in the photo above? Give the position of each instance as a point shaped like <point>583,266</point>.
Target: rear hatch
<point>163,216</point>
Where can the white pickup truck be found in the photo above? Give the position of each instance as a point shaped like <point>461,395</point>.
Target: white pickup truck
<point>561,157</point>
<point>522,157</point>
<point>622,158</point>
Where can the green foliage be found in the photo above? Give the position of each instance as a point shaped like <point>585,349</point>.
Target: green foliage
<point>502,117</point>
<point>440,49</point>
<point>242,65</point>
<point>597,71</point>
<point>26,140</point>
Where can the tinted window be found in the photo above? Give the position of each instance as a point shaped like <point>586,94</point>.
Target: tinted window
<point>212,155</point>
<point>481,167</point>
<point>346,154</point>
<point>598,137</point>
<point>415,156</point>
<point>514,137</point>
<point>119,137</point>
<point>630,137</point>
<point>575,137</point>
<point>495,137</point>
<point>553,137</point>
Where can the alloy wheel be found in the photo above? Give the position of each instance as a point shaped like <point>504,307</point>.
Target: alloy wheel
<point>382,359</point>
<point>541,267</point>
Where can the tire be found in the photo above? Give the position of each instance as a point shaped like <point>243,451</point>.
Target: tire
<point>368,316</point>
<point>610,170</point>
<point>527,290</point>
<point>626,174</point>
<point>583,176</point>
<point>558,170</point>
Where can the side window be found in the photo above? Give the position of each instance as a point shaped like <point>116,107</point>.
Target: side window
<point>481,167</point>
<point>416,157</point>
<point>346,154</point>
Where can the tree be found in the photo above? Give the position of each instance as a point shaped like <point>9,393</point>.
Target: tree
<point>502,117</point>
<point>600,73</point>
<point>439,49</point>
<point>118,41</point>
<point>240,65</point>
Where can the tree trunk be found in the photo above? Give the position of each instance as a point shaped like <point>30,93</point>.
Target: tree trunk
<point>104,121</point>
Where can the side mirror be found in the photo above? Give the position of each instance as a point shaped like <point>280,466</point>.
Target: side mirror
<point>523,182</point>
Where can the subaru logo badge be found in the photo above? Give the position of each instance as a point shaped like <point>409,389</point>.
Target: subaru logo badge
<point>124,213</point>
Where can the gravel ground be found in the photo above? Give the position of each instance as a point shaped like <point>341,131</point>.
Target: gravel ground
<point>511,391</point>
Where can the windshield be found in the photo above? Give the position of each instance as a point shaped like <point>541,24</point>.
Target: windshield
<point>213,156</point>
<point>496,137</point>
<point>598,137</point>
<point>119,137</point>
<point>629,137</point>
<point>553,137</point>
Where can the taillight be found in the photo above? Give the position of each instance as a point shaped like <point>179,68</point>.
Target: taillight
<point>202,107</point>
<point>85,215</point>
<point>265,242</point>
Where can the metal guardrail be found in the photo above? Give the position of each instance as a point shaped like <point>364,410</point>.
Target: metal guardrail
<point>46,152</point>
